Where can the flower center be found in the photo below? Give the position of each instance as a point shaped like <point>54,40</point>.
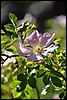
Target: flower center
<point>38,49</point>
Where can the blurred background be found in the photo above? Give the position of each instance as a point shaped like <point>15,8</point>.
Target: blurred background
<point>49,16</point>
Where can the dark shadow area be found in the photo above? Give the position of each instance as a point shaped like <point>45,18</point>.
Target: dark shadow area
<point>41,10</point>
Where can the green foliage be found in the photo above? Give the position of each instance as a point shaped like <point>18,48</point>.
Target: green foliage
<point>16,94</point>
<point>2,32</point>
<point>49,23</point>
<point>21,86</point>
<point>21,77</point>
<point>42,74</point>
<point>9,27</point>
<point>13,19</point>
<point>23,74</point>
<point>32,82</point>
<point>56,81</point>
<point>14,83</point>
<point>46,79</point>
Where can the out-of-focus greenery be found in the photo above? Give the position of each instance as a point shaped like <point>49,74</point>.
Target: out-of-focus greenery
<point>10,74</point>
<point>52,26</point>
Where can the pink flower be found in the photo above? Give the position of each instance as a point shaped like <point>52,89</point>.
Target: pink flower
<point>61,20</point>
<point>9,60</point>
<point>39,46</point>
<point>56,96</point>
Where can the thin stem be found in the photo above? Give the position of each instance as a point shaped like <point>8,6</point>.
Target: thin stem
<point>37,92</point>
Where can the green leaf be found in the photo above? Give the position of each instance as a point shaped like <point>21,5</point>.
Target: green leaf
<point>57,40</point>
<point>9,27</point>
<point>5,40</point>
<point>22,86</point>
<point>14,83</point>
<point>42,74</point>
<point>55,72</point>
<point>32,82</point>
<point>46,79</point>
<point>21,77</point>
<point>27,95</point>
<point>13,19</point>
<point>14,35</point>
<point>16,94</point>
<point>11,48</point>
<point>56,81</point>
<point>2,32</point>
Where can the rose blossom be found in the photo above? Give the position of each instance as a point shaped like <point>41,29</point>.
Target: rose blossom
<point>39,46</point>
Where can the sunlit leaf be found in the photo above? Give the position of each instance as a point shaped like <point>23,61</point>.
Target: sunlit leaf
<point>2,32</point>
<point>57,40</point>
<point>27,95</point>
<point>11,48</point>
<point>14,83</point>
<point>16,94</point>
<point>9,27</point>
<point>13,19</point>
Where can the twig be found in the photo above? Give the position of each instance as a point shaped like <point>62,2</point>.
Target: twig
<point>9,56</point>
<point>37,92</point>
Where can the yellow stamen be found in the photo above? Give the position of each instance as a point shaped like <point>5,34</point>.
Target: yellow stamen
<point>38,49</point>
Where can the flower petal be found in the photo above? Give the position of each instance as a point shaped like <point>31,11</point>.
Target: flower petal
<point>39,57</point>
<point>9,60</point>
<point>45,37</point>
<point>44,53</point>
<point>33,39</point>
<point>49,49</point>
<point>35,57</point>
<point>24,50</point>
<point>49,39</point>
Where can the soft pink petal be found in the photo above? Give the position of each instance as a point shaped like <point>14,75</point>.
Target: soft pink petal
<point>42,40</point>
<point>4,57</point>
<point>44,52</point>
<point>33,39</point>
<point>34,57</point>
<point>23,50</point>
<point>47,39</point>
<point>61,20</point>
<point>51,48</point>
<point>39,57</point>
<point>8,53</point>
<point>9,60</point>
<point>56,96</point>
